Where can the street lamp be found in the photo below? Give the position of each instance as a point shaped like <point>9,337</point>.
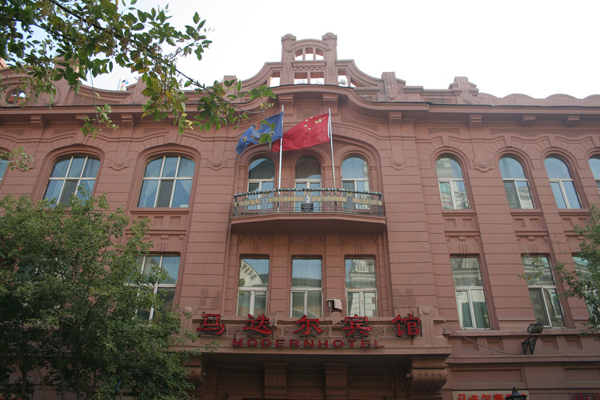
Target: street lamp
<point>534,330</point>
<point>516,395</point>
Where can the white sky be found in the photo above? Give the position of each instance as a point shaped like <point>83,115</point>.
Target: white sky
<point>538,48</point>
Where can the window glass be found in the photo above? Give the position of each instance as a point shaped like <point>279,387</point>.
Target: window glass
<point>167,182</point>
<point>68,175</point>
<point>515,184</point>
<point>470,296</point>
<point>306,295</point>
<point>166,287</point>
<point>562,184</point>
<point>3,168</point>
<point>252,286</point>
<point>542,290</point>
<point>453,192</point>
<point>361,287</point>
<point>595,167</point>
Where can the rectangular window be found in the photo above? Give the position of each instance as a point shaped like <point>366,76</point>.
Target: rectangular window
<point>583,272</point>
<point>542,290</point>
<point>470,297</point>
<point>361,287</point>
<point>166,286</point>
<point>252,287</point>
<point>306,294</point>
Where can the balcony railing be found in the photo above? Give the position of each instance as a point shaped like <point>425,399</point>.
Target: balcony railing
<point>314,200</point>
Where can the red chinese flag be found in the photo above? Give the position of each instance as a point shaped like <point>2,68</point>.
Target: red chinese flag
<point>307,133</point>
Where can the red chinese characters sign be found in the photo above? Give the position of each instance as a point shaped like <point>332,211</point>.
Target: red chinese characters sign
<point>354,328</point>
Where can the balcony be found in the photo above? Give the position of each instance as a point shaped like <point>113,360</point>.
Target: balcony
<point>317,210</point>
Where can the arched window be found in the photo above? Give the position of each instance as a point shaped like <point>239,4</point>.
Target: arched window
<point>562,184</point>
<point>261,175</point>
<point>355,174</point>
<point>70,173</point>
<point>167,182</point>
<point>308,176</point>
<point>515,184</point>
<point>3,168</point>
<point>595,167</point>
<point>452,185</point>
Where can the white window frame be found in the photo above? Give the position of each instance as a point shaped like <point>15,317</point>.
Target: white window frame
<point>450,182</point>
<point>560,182</point>
<point>67,178</point>
<point>516,188</point>
<point>542,289</point>
<point>252,291</point>
<point>468,289</point>
<point>305,290</point>
<point>361,291</point>
<point>157,286</point>
<point>160,180</point>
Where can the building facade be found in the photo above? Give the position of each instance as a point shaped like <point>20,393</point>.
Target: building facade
<point>388,265</point>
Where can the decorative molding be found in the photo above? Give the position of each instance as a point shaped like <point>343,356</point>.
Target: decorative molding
<point>527,120</point>
<point>544,132</point>
<point>435,131</point>
<point>38,122</point>
<point>571,120</point>
<point>331,101</point>
<point>121,161</point>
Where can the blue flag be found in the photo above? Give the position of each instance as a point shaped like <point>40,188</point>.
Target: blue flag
<point>253,134</point>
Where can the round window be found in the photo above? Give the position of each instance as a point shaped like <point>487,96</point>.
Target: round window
<point>15,96</point>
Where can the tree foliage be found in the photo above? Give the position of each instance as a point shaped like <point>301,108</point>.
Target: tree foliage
<point>51,40</point>
<point>69,291</point>
<point>584,281</point>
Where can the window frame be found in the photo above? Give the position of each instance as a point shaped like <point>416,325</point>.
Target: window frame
<point>561,185</point>
<point>160,179</point>
<point>158,285</point>
<point>361,290</point>
<point>451,183</point>
<point>517,193</point>
<point>4,167</point>
<point>306,289</point>
<point>468,289</point>
<point>66,178</point>
<point>595,173</point>
<point>542,288</point>
<point>253,289</point>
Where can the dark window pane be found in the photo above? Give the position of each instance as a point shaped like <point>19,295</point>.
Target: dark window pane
<point>70,188</point>
<point>164,193</point>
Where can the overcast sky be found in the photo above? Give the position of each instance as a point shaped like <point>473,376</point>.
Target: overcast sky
<point>537,48</point>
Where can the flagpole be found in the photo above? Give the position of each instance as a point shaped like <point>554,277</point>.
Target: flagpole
<point>331,141</point>
<point>280,150</point>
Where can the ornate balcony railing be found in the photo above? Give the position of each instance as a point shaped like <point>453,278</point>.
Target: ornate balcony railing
<point>314,200</point>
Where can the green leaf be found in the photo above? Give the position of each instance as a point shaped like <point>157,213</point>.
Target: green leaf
<point>196,18</point>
